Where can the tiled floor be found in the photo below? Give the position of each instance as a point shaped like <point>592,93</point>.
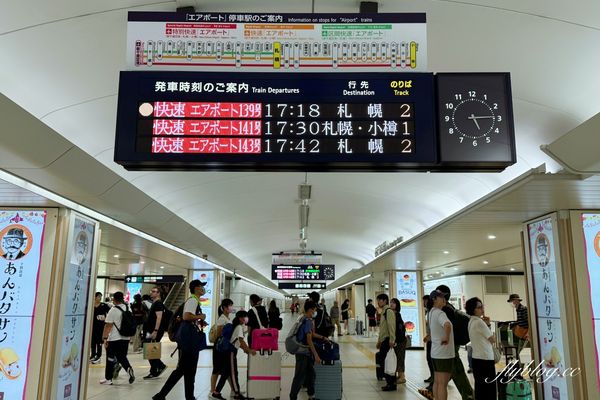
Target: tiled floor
<point>357,354</point>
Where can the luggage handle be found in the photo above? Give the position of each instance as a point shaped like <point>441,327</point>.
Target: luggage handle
<point>269,352</point>
<point>266,334</point>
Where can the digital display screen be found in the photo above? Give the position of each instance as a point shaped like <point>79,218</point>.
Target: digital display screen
<point>154,279</point>
<point>303,272</point>
<point>294,285</point>
<point>346,121</point>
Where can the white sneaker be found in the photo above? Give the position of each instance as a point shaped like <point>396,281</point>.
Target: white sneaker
<point>105,382</point>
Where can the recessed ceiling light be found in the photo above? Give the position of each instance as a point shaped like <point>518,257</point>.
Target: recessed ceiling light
<point>486,262</point>
<point>142,262</point>
<point>491,237</point>
<point>418,261</point>
<point>162,267</point>
<point>455,268</point>
<point>512,269</point>
<point>122,274</point>
<point>446,252</point>
<point>116,256</point>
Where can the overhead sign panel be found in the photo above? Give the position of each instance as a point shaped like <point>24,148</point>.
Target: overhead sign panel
<point>322,272</point>
<point>318,122</point>
<point>297,285</point>
<point>276,42</point>
<point>154,278</point>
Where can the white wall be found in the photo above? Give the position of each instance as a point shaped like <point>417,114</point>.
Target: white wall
<point>241,290</point>
<point>469,286</point>
<point>358,297</point>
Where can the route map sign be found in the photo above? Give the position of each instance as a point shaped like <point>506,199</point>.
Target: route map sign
<point>276,42</point>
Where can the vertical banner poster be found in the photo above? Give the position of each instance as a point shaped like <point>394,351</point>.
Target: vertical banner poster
<point>206,301</point>
<point>21,239</point>
<point>410,304</point>
<point>542,256</point>
<point>76,292</point>
<point>591,233</point>
<point>132,290</point>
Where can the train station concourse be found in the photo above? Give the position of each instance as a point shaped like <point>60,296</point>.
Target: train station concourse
<point>314,199</point>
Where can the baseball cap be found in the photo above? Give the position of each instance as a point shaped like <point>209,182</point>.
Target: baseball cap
<point>436,293</point>
<point>195,283</point>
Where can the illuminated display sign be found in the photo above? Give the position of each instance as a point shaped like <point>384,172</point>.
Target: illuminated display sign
<point>154,279</point>
<point>21,239</point>
<point>294,285</point>
<point>75,298</point>
<point>543,267</point>
<point>410,304</point>
<point>320,122</point>
<point>591,232</point>
<point>303,272</point>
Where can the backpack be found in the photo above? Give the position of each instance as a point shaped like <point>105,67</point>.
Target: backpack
<point>400,328</point>
<point>212,333</point>
<point>174,323</point>
<point>224,344</point>
<point>325,326</point>
<point>292,344</point>
<point>460,327</point>
<point>128,325</point>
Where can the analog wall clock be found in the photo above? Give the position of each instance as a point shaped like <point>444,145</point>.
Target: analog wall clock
<point>475,119</point>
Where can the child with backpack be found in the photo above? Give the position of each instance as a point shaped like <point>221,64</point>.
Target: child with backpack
<point>231,340</point>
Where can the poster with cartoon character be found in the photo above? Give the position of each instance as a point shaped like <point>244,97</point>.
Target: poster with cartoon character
<point>542,255</point>
<point>21,237</point>
<point>75,303</point>
<point>591,233</point>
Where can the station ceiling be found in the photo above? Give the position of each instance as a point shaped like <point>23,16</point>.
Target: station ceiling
<point>61,62</point>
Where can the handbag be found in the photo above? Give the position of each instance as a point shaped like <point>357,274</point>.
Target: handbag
<point>520,332</point>
<point>190,337</point>
<point>497,355</point>
<point>391,362</point>
<point>152,351</point>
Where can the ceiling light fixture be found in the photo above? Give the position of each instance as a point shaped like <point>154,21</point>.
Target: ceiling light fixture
<point>455,268</point>
<point>116,256</point>
<point>15,180</point>
<point>512,269</point>
<point>486,262</point>
<point>162,267</point>
<point>142,262</point>
<point>446,252</point>
<point>491,237</point>
<point>418,261</point>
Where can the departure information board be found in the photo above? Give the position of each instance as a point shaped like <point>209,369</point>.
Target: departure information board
<point>293,121</point>
<point>302,285</point>
<point>303,272</point>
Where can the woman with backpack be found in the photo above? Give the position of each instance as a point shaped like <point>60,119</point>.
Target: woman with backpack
<point>218,358</point>
<point>274,316</point>
<point>139,314</point>
<point>400,348</point>
<point>230,342</point>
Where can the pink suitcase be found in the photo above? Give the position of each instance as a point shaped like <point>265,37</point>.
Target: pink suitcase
<point>265,339</point>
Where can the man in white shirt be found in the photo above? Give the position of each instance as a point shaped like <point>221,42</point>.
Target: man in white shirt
<point>188,355</point>
<point>115,344</point>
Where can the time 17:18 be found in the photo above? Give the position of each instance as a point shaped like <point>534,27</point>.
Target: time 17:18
<point>297,110</point>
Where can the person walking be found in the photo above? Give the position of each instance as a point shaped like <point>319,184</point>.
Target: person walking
<point>188,345</point>
<point>218,358</point>
<point>484,367</point>
<point>101,309</point>
<point>139,314</point>
<point>387,338</point>
<point>304,371</point>
<point>371,316</point>
<point>334,313</point>
<point>154,329</point>
<point>116,345</point>
<point>274,315</point>
<point>520,328</point>
<point>345,314</point>
<point>442,345</point>
<point>230,366</point>
<point>400,348</point>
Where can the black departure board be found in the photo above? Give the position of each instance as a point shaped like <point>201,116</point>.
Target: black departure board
<point>302,285</point>
<point>292,121</point>
<point>316,272</point>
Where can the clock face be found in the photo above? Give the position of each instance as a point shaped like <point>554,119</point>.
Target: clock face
<point>329,272</point>
<point>475,118</point>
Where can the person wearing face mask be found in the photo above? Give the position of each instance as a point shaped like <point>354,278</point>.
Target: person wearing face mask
<point>188,351</point>
<point>230,367</point>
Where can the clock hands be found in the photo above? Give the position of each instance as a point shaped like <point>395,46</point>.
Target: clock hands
<point>475,118</point>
